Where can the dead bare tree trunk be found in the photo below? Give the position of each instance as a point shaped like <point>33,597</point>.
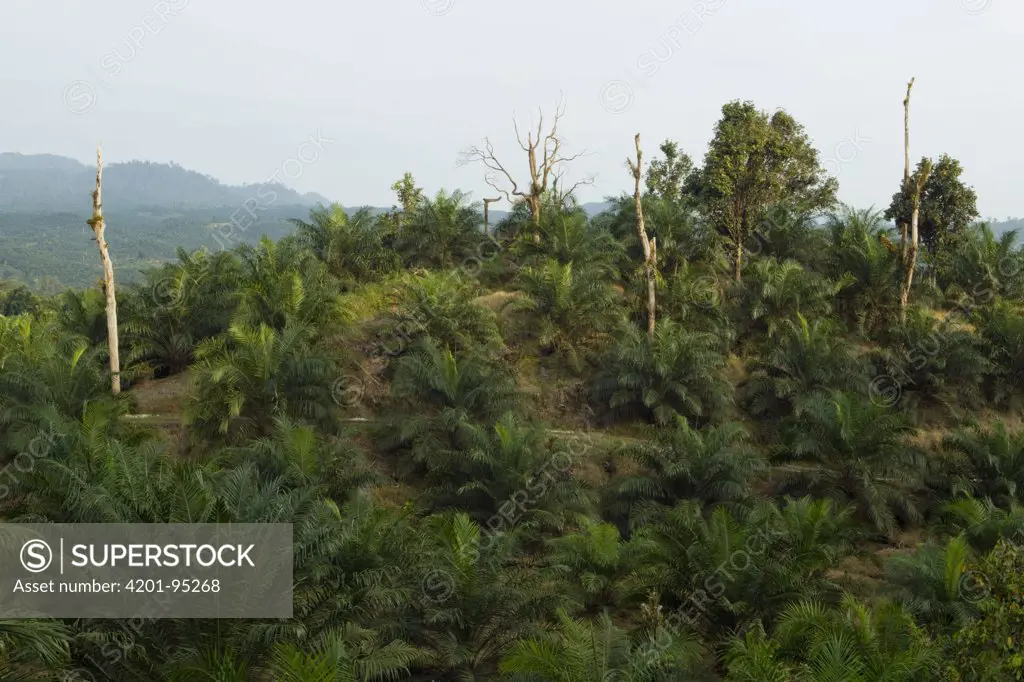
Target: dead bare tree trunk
<point>99,226</point>
<point>910,234</point>
<point>911,264</point>
<point>487,215</point>
<point>906,167</point>
<point>545,163</point>
<point>650,246</point>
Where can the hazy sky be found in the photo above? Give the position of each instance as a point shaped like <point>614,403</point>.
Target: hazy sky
<point>232,88</point>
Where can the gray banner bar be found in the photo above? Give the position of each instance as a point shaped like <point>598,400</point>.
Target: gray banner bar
<point>146,570</point>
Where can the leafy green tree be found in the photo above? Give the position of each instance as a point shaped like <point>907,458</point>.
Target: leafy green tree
<point>666,177</point>
<point>948,206</point>
<point>755,161</point>
<point>410,197</point>
<point>990,648</point>
<point>18,301</point>
<point>683,239</point>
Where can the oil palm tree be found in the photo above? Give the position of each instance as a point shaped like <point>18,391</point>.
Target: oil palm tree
<point>506,473</point>
<point>354,248</point>
<point>84,314</point>
<point>569,238</point>
<point>983,265</point>
<point>477,601</point>
<point>300,456</point>
<point>441,305</point>
<point>675,373</point>
<point>995,457</point>
<point>850,449</point>
<point>934,361</point>
<point>851,643</point>
<point>29,648</point>
<point>778,291</point>
<point>441,232</point>
<point>568,309</point>
<point>983,523</point>
<point>597,651</point>
<point>806,357</point>
<point>41,366</point>
<point>352,656</point>
<point>595,565</point>
<point>280,283</point>
<point>1001,327</point>
<point>440,397</point>
<point>242,380</point>
<point>180,305</point>
<point>716,465</point>
<point>860,247</point>
<point>930,582</point>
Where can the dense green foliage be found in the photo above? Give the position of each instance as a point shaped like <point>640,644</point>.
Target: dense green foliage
<point>495,473</point>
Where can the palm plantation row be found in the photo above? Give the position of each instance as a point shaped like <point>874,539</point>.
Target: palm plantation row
<point>502,462</point>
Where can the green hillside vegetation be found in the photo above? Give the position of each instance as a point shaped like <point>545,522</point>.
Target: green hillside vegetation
<point>496,472</point>
<point>50,252</point>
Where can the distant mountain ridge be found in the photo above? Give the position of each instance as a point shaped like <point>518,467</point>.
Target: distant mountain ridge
<point>48,182</point>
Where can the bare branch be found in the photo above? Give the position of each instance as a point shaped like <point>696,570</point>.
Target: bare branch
<point>545,145</point>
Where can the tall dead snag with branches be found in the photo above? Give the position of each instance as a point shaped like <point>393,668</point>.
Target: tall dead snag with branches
<point>910,235</point>
<point>650,246</point>
<point>99,226</point>
<point>545,160</point>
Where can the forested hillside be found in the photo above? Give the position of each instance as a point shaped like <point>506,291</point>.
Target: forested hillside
<point>727,429</point>
<point>51,251</point>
